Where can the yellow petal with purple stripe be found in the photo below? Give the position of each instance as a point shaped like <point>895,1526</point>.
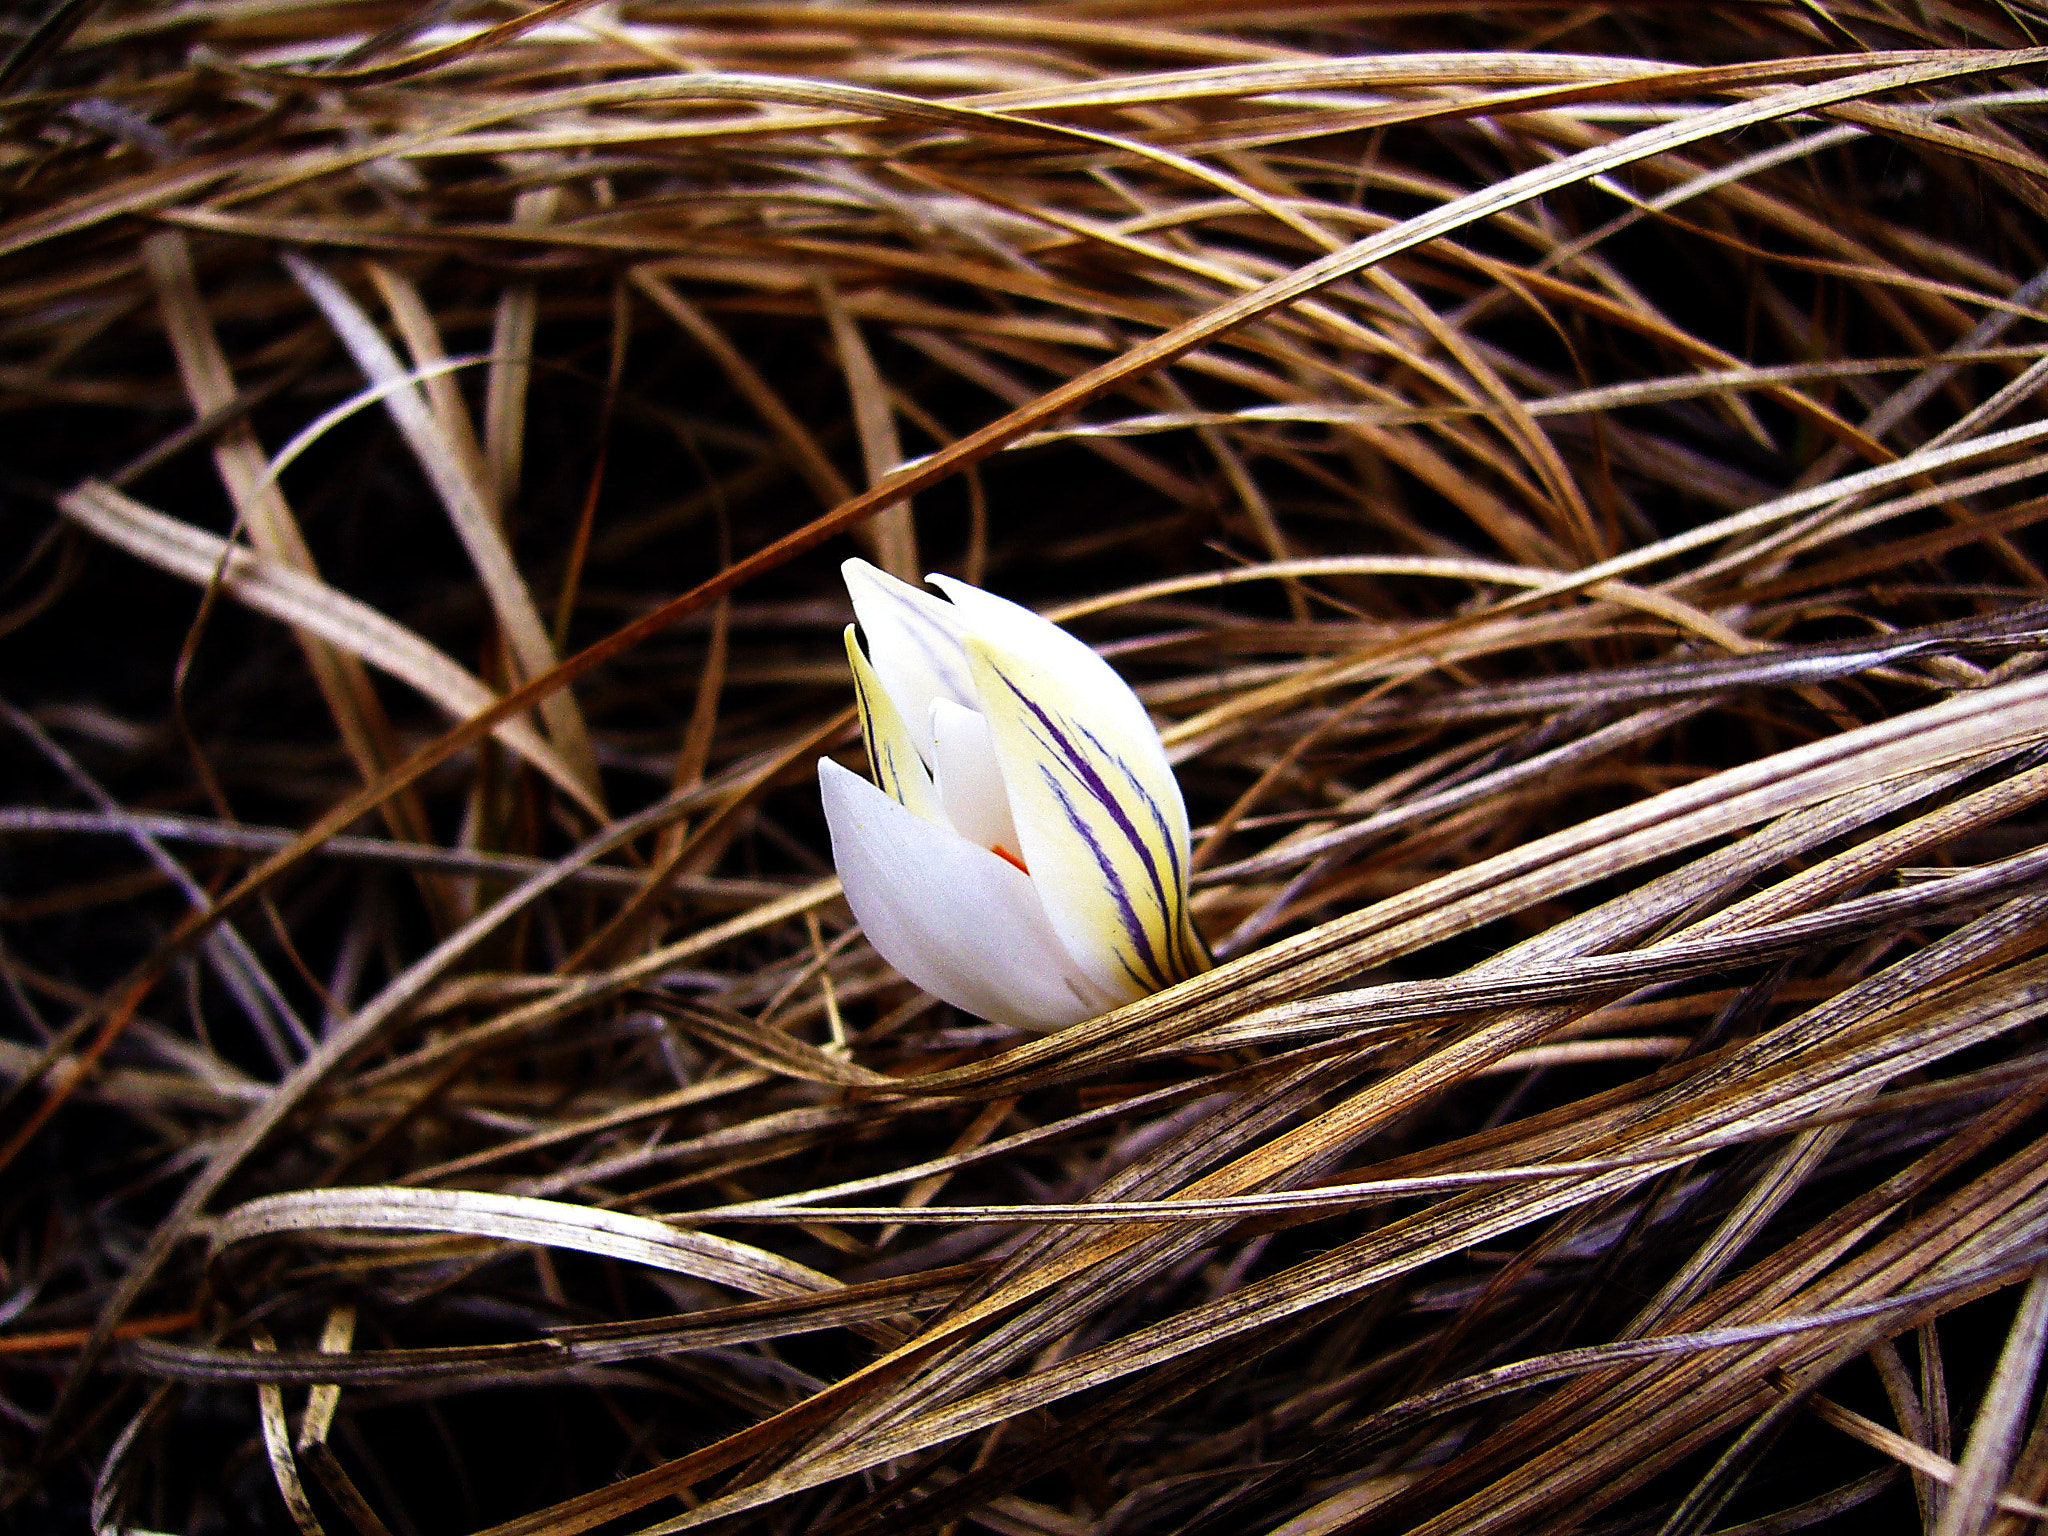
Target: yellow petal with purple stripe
<point>893,757</point>
<point>1100,817</point>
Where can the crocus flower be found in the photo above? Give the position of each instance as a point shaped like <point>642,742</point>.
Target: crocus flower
<point>1025,856</point>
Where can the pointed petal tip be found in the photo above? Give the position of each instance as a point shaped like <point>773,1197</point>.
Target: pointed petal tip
<point>831,774</point>
<point>858,573</point>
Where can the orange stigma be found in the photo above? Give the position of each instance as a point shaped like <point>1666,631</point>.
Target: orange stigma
<point>1008,857</point>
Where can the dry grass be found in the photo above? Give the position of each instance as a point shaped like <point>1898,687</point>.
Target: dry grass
<point>1567,479</point>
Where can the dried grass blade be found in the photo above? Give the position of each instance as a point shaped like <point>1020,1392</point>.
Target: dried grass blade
<point>260,506</point>
<point>2000,1419</point>
<point>151,189</point>
<point>277,1444</point>
<point>512,362</point>
<point>891,530</point>
<point>520,1219</point>
<point>311,606</point>
<point>339,1045</point>
<point>452,472</point>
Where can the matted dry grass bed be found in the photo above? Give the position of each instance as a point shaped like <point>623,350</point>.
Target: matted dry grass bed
<point>1566,478</point>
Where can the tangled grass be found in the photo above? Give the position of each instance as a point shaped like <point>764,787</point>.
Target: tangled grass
<point>1564,476</point>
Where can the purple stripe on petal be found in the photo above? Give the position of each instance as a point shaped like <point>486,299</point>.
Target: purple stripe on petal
<point>1061,748</point>
<point>1127,914</point>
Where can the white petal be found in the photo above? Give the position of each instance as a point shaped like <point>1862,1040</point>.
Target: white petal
<point>952,917</point>
<point>970,781</point>
<point>893,754</point>
<point>913,640</point>
<point>1101,820</point>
